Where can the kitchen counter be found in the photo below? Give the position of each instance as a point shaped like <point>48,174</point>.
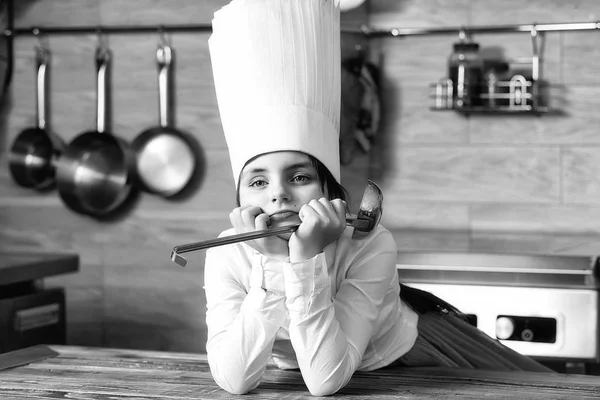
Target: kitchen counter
<point>30,313</point>
<point>100,373</point>
<point>22,267</point>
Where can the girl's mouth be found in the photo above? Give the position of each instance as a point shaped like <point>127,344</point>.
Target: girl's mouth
<point>283,217</point>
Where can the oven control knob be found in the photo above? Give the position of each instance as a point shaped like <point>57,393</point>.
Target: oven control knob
<point>527,335</point>
<point>505,327</point>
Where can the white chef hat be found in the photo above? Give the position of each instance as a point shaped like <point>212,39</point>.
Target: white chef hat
<point>276,67</point>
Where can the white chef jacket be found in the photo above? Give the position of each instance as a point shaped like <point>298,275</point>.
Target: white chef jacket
<point>329,316</point>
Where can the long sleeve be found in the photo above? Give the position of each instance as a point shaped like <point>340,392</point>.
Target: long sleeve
<point>242,323</point>
<point>330,335</point>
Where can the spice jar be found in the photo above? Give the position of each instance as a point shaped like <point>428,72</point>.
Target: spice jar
<point>465,69</point>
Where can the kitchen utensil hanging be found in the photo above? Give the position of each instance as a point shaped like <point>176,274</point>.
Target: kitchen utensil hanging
<point>94,175</point>
<point>167,159</point>
<point>35,150</point>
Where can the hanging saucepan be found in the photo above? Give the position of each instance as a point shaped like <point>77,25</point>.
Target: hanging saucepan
<point>94,173</point>
<point>166,162</point>
<point>35,150</point>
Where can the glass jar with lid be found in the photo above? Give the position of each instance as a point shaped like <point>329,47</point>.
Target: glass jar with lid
<point>465,69</point>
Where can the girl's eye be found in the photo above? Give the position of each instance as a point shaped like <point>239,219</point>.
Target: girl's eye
<point>258,183</point>
<point>301,178</point>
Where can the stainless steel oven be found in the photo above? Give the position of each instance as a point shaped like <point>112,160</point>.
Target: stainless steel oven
<point>544,306</point>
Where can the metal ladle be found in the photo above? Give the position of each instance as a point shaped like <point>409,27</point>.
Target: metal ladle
<point>367,218</point>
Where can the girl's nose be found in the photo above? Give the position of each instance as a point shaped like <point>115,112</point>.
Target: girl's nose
<point>280,192</point>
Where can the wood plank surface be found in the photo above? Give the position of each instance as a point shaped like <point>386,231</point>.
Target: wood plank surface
<point>102,373</point>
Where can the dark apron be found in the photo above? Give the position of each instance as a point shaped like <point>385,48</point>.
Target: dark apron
<point>446,339</point>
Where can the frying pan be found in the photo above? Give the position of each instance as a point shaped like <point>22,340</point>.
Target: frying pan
<point>165,156</point>
<point>35,150</point>
<point>94,172</point>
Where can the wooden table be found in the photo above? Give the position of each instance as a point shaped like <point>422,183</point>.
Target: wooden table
<point>98,373</point>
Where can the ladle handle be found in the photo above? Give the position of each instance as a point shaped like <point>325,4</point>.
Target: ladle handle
<point>242,237</point>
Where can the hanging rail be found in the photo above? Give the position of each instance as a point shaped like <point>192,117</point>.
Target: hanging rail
<point>111,29</point>
<point>393,32</point>
<point>371,33</point>
<point>121,29</point>
<point>554,27</point>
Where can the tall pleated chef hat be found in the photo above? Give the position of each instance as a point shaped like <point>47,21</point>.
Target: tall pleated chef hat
<point>276,67</point>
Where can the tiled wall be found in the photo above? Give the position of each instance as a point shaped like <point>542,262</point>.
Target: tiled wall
<point>441,170</point>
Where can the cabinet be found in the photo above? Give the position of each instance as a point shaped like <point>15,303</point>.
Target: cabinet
<point>29,313</point>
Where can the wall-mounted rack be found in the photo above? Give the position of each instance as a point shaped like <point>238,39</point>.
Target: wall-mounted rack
<point>516,94</point>
<point>490,93</point>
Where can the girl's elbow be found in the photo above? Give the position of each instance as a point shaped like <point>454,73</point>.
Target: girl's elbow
<point>319,389</point>
<point>241,389</point>
<point>321,392</point>
<point>237,386</point>
<point>234,381</point>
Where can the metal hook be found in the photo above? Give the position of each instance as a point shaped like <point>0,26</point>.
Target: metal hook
<point>42,40</point>
<point>41,50</point>
<point>534,37</point>
<point>535,68</point>
<point>163,37</point>
<point>102,50</point>
<point>102,39</point>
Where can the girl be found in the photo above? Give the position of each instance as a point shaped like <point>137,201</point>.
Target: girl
<point>316,299</point>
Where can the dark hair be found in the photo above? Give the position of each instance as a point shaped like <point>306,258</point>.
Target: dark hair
<point>329,184</point>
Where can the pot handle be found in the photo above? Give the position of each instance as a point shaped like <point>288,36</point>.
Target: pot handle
<point>42,61</point>
<point>164,57</point>
<point>103,56</point>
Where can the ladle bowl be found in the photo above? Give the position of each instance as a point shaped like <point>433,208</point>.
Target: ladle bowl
<point>366,220</point>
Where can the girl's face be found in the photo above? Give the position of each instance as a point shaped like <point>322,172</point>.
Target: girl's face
<point>280,184</point>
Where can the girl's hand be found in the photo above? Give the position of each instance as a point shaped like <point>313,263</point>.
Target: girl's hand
<point>249,219</point>
<point>323,221</point>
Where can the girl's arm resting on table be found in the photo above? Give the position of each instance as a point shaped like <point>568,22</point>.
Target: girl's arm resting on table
<point>241,326</point>
<point>329,335</point>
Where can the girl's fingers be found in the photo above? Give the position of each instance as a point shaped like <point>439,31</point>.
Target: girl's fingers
<point>262,221</point>
<point>327,206</point>
<point>248,216</point>
<point>235,218</point>
<point>307,212</point>
<point>334,210</point>
<point>321,206</point>
<point>325,211</point>
<point>340,208</point>
<point>243,218</point>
